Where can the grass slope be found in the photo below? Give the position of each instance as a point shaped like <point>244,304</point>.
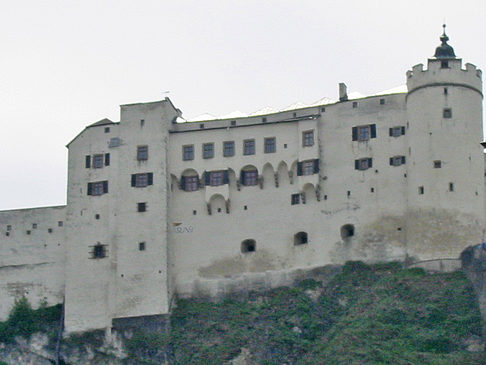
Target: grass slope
<point>380,314</point>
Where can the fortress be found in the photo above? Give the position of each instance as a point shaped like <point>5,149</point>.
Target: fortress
<point>158,207</point>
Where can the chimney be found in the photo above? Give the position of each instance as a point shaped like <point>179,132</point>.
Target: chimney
<point>343,92</point>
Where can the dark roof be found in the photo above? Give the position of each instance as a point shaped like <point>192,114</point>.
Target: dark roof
<point>101,122</point>
<point>444,51</point>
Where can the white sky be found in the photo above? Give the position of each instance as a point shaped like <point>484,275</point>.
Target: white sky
<point>67,64</point>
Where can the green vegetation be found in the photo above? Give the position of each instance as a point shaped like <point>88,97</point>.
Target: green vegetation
<point>25,321</point>
<point>379,314</point>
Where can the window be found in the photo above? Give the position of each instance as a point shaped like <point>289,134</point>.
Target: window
<point>28,232</point>
<point>446,91</point>
<point>141,246</point>
<point>142,153</point>
<point>114,142</point>
<point>447,113</point>
<point>249,177</point>
<point>444,64</point>
<point>208,150</point>
<point>201,126</point>
<point>421,190</point>
<point>451,186</point>
<point>323,109</point>
<point>300,238</point>
<point>270,145</point>
<point>382,101</point>
<point>397,160</point>
<point>233,122</point>
<point>347,231</point>
<point>249,147</point>
<point>107,129</point>
<point>98,251</point>
<point>97,216</point>
<point>363,164</point>
<point>141,207</point>
<point>60,223</point>
<point>9,227</point>
<point>397,131</point>
<point>228,148</point>
<point>264,119</point>
<point>364,132</point>
<point>217,178</point>
<point>295,199</point>
<point>142,122</point>
<point>190,183</point>
<point>248,246</point>
<point>97,188</point>
<point>355,104</point>
<point>97,161</point>
<point>88,162</point>
<point>188,152</point>
<point>308,138</point>
<point>107,159</point>
<point>34,225</point>
<point>437,164</point>
<point>309,167</point>
<point>142,180</point>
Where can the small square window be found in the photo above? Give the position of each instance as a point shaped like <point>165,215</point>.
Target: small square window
<point>245,207</point>
<point>99,251</point>
<point>372,190</point>
<point>201,126</point>
<point>447,113</point>
<point>7,234</point>
<point>270,145</point>
<point>141,246</point>
<point>444,64</point>
<point>9,227</point>
<point>295,199</point>
<point>437,164</point>
<point>208,150</point>
<point>98,161</point>
<point>107,129</point>
<point>60,223</point>
<point>28,232</point>
<point>142,122</point>
<point>285,145</point>
<point>49,230</point>
<point>382,101</point>
<point>142,153</point>
<point>308,138</point>
<point>34,225</point>
<point>97,216</point>
<point>233,123</point>
<point>188,152</point>
<point>249,147</point>
<point>228,148</point>
<point>323,109</point>
<point>141,207</point>
<point>355,104</point>
<point>264,119</point>
<point>421,190</point>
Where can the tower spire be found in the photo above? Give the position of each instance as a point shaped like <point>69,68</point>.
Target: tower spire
<point>444,50</point>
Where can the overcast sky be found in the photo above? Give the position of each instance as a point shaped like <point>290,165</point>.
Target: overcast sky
<point>67,64</point>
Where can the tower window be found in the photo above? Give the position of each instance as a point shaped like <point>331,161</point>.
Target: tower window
<point>447,113</point>
<point>142,122</point>
<point>444,64</point>
<point>233,122</point>
<point>437,164</point>
<point>421,190</point>
<point>248,246</point>
<point>141,207</point>
<point>355,104</point>
<point>99,251</point>
<point>107,129</point>
<point>141,246</point>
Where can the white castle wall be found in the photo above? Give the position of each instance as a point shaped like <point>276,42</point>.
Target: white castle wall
<point>32,259</point>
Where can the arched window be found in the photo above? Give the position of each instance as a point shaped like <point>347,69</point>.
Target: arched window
<point>249,176</point>
<point>301,238</point>
<point>189,180</point>
<point>347,231</point>
<point>248,246</point>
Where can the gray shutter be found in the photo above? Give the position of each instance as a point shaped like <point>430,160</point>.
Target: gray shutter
<point>207,178</point>
<point>226,177</point>
<point>355,133</point>
<point>107,159</point>
<point>105,187</point>
<point>299,168</point>
<point>403,160</point>
<point>88,162</point>
<point>316,166</point>
<point>183,182</point>
<point>390,131</point>
<point>391,161</point>
<point>370,162</point>
<point>403,131</point>
<point>150,178</point>
<point>90,189</point>
<point>134,179</point>
<point>356,164</point>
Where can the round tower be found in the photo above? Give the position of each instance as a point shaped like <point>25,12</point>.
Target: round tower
<point>445,165</point>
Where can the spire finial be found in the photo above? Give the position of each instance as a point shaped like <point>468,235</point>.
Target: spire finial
<point>444,38</point>
<point>444,50</point>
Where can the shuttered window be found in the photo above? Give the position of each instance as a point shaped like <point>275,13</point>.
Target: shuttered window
<point>364,132</point>
<point>142,180</point>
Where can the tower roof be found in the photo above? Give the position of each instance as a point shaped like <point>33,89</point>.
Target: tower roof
<point>444,51</point>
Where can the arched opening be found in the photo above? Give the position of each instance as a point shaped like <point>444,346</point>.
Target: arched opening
<point>283,173</point>
<point>301,238</point>
<point>217,204</point>
<point>249,175</point>
<point>189,180</point>
<point>347,231</point>
<point>269,176</point>
<point>248,246</point>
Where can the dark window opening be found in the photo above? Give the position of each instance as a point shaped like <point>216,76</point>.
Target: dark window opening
<point>363,164</point>
<point>142,180</point>
<point>107,129</point>
<point>194,212</point>
<point>190,183</point>
<point>217,178</point>
<point>201,126</point>
<point>9,227</point>
<point>28,232</point>
<point>264,119</point>
<point>295,199</point>
<point>249,177</point>
<point>308,138</point>
<point>347,231</point>
<point>323,109</point>
<point>364,132</point>
<point>141,207</point>
<point>141,246</point>
<point>382,101</point>
<point>285,145</point>
<point>60,223</point>
<point>233,122</point>
<point>188,152</point>
<point>300,238</point>
<point>325,197</point>
<point>49,230</point>
<point>444,64</point>
<point>355,104</point>
<point>142,153</point>
<point>248,246</point>
<point>421,190</point>
<point>270,145</point>
<point>437,164</point>
<point>451,186</point>
<point>219,210</point>
<point>34,225</point>
<point>97,216</point>
<point>447,113</point>
<point>97,161</point>
<point>294,115</point>
<point>98,188</point>
<point>99,251</point>
<point>142,122</point>
<point>446,91</point>
<point>7,234</point>
<point>349,193</point>
<point>372,190</point>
